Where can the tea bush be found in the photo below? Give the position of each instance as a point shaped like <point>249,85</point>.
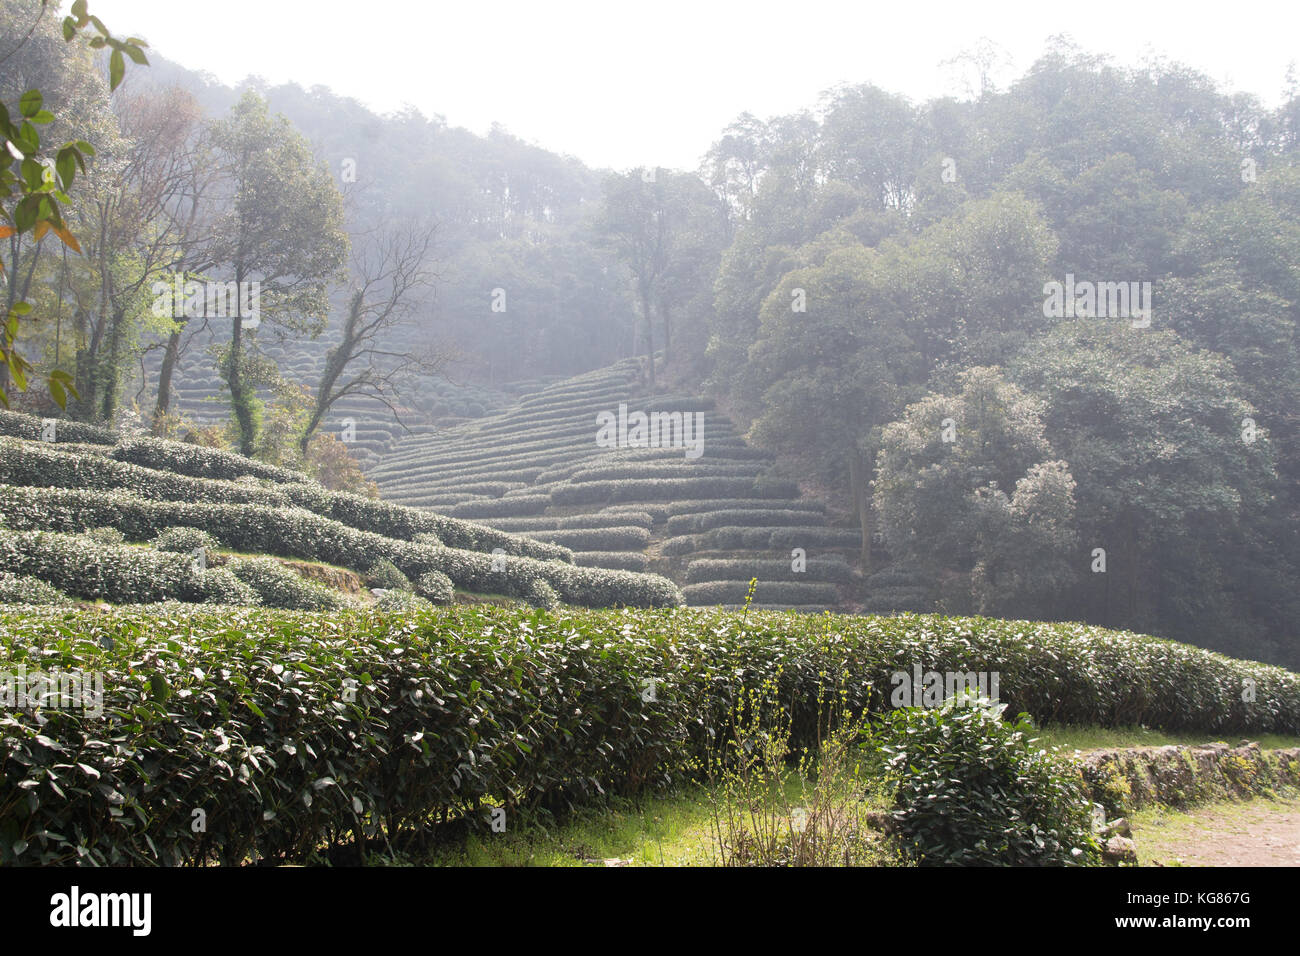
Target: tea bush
<point>626,538</point>
<point>435,587</point>
<point>184,540</point>
<point>21,589</point>
<point>612,560</point>
<point>384,574</point>
<point>973,790</point>
<point>302,534</point>
<point>29,426</point>
<point>295,728</point>
<point>278,586</point>
<point>118,574</point>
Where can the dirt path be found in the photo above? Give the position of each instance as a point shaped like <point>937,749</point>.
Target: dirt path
<point>1256,832</point>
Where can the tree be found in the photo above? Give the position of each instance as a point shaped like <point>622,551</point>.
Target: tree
<point>135,234</point>
<point>390,278</point>
<point>41,183</point>
<point>283,230</point>
<point>1171,484</point>
<point>941,487</point>
<point>845,344</point>
<point>636,219</point>
<point>830,374</point>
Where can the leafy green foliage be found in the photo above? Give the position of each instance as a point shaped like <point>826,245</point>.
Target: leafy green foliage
<point>38,184</point>
<point>435,587</point>
<point>120,574</point>
<point>183,540</point>
<point>293,728</point>
<point>23,589</point>
<point>973,790</point>
<point>384,574</point>
<point>279,586</point>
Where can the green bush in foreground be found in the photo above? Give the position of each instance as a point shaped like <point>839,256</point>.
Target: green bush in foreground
<point>973,790</point>
<point>378,721</point>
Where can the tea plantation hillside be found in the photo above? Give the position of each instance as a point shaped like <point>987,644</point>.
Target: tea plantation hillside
<point>92,515</point>
<point>425,403</point>
<point>705,510</point>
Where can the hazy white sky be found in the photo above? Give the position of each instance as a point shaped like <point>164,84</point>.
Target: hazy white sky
<point>623,84</point>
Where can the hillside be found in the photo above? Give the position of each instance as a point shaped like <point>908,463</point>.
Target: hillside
<point>103,517</point>
<point>703,508</point>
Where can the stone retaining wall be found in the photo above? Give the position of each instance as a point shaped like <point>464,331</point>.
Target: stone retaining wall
<point>1123,780</point>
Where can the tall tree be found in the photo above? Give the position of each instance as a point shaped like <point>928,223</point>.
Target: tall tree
<point>283,230</point>
<point>393,277</point>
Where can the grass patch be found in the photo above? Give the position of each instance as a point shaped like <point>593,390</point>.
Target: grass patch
<point>1093,737</point>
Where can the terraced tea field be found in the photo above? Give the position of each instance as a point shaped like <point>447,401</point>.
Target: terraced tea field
<point>365,423</point>
<point>566,465</point>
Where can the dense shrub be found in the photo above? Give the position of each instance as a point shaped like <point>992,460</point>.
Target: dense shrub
<point>741,504</point>
<point>540,594</point>
<point>1016,805</point>
<point>502,507</point>
<point>51,466</point>
<point>474,680</point>
<point>623,470</point>
<point>435,587</point>
<point>109,536</point>
<point>22,589</point>
<point>742,538</point>
<point>30,464</point>
<point>296,533</point>
<point>684,544</point>
<point>493,489</point>
<point>395,521</point>
<point>597,539</point>
<point>669,489</point>
<point>278,586</point>
<point>117,574</point>
<point>707,520</point>
<point>784,539</point>
<point>184,540</point>
<point>29,426</point>
<point>640,519</point>
<point>401,602</point>
<point>658,513</point>
<point>198,461</point>
<point>614,560</point>
<point>384,574</point>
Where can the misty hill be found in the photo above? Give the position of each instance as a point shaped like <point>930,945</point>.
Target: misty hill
<point>687,496</point>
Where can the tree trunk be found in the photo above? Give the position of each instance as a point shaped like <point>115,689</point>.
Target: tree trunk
<point>861,504</point>
<point>170,357</point>
<point>240,399</point>
<point>668,333</point>
<point>649,334</point>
